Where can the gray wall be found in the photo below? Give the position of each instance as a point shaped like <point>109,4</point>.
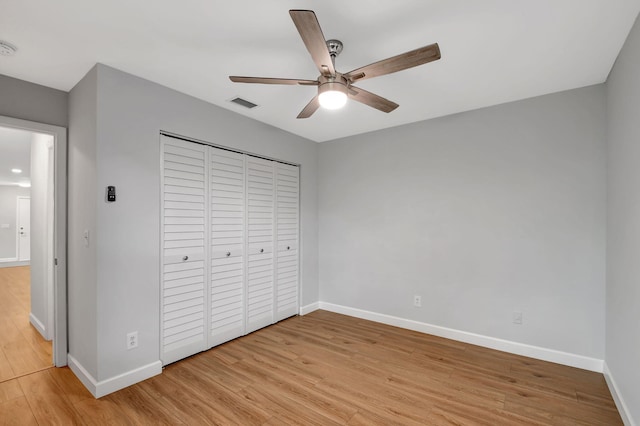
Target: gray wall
<point>131,112</point>
<point>482,213</point>
<point>623,214</point>
<point>29,101</point>
<point>8,212</point>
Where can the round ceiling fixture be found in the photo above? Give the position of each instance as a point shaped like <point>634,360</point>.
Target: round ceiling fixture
<point>7,49</point>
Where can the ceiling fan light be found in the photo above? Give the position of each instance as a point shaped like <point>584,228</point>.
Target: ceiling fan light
<point>332,95</point>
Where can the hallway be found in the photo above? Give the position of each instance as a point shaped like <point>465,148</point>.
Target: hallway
<point>22,348</point>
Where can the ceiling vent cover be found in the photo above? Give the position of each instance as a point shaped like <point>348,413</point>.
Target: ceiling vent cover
<point>7,49</point>
<point>243,102</point>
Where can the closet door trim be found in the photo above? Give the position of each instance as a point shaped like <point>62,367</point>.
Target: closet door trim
<point>226,148</point>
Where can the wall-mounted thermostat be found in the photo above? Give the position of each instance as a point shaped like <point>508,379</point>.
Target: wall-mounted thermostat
<point>111,193</point>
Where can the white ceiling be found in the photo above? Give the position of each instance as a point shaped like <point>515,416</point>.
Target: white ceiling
<point>493,51</point>
<point>15,153</point>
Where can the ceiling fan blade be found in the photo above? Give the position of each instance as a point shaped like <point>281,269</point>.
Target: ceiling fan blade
<point>311,33</point>
<point>311,107</point>
<point>266,80</point>
<point>397,63</point>
<point>371,99</point>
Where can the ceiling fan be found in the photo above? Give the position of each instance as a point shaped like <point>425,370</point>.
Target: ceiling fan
<point>333,87</point>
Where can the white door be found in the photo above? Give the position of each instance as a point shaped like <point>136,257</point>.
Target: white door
<point>24,228</point>
<point>184,298</point>
<point>287,223</point>
<point>227,216</point>
<point>260,241</point>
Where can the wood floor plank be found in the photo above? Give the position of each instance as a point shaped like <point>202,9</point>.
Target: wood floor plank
<point>189,405</point>
<point>10,390</point>
<point>8,331</point>
<point>233,407</point>
<point>47,401</point>
<point>22,349</point>
<point>22,358</point>
<point>17,412</point>
<point>329,369</point>
<point>101,412</point>
<point>6,372</point>
<point>69,385</point>
<point>136,404</point>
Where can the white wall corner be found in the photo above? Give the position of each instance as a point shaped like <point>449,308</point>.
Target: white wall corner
<point>38,325</point>
<point>617,397</point>
<point>544,354</point>
<point>307,309</point>
<point>113,384</point>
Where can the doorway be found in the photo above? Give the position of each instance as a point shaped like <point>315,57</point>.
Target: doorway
<point>33,270</point>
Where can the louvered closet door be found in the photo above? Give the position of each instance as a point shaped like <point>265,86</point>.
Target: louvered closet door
<point>260,242</point>
<point>184,227</point>
<point>287,225</point>
<point>227,201</point>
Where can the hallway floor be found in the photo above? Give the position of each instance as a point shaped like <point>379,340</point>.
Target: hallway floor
<point>22,348</point>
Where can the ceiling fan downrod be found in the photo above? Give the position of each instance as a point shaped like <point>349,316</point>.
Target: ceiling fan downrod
<point>335,47</point>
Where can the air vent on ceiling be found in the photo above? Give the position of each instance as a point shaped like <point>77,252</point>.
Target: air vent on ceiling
<point>7,49</point>
<point>243,102</point>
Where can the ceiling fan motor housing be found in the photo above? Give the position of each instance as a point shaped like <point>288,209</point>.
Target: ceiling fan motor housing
<point>335,83</point>
<point>332,91</point>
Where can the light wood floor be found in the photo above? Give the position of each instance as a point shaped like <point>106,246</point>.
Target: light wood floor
<point>328,369</point>
<point>22,348</point>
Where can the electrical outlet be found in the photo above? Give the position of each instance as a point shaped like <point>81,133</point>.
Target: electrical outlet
<point>517,317</point>
<point>132,340</point>
<point>417,301</point>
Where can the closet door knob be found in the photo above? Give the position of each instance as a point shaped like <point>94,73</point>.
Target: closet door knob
<point>288,248</point>
<point>185,258</point>
<point>261,250</point>
<point>228,253</point>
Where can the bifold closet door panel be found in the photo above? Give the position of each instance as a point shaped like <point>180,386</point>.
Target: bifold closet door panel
<point>227,207</point>
<point>184,260</point>
<point>260,242</point>
<point>287,237</point>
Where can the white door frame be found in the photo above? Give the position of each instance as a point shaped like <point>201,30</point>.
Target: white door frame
<point>60,230</point>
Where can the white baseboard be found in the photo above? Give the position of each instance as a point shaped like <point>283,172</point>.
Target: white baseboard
<point>304,310</point>
<point>105,387</point>
<point>13,262</point>
<point>537,352</point>
<point>38,325</point>
<point>617,397</point>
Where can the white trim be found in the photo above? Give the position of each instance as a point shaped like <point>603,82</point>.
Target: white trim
<point>617,397</point>
<point>38,326</point>
<point>11,263</point>
<point>121,381</point>
<point>523,349</point>
<point>304,310</point>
